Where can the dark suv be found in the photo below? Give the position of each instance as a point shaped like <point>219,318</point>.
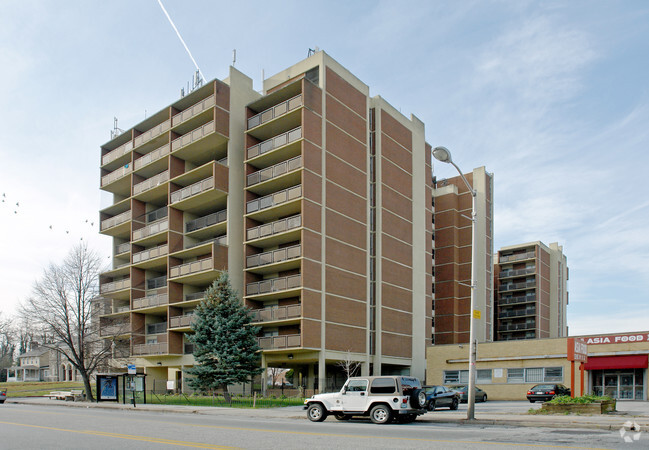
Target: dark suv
<point>546,392</point>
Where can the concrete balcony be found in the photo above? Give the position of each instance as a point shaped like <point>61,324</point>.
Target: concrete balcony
<point>274,285</point>
<point>276,313</point>
<point>275,257</point>
<point>151,183</point>
<point>191,114</point>
<point>517,313</point>
<point>118,153</point>
<point>519,257</point>
<point>115,286</point>
<point>268,230</point>
<point>273,143</point>
<point>516,273</point>
<point>184,321</point>
<point>159,226</point>
<point>151,157</point>
<point>276,111</point>
<point>152,134</point>
<point>150,349</point>
<point>280,342</point>
<point>151,301</point>
<point>280,203</point>
<point>114,221</point>
<point>149,254</point>
<point>517,286</point>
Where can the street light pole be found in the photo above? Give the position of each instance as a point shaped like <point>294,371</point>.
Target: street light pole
<point>442,154</point>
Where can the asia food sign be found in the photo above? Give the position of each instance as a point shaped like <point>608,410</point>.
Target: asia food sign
<point>617,339</point>
<point>577,350</point>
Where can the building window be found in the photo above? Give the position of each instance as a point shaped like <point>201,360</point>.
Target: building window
<point>483,376</point>
<point>535,375</point>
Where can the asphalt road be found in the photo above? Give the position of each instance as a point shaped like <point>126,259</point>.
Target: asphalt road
<point>37,427</point>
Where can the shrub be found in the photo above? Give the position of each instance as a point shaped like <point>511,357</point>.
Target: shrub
<point>566,399</point>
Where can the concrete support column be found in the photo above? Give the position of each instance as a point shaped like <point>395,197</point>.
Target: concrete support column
<point>322,373</point>
<point>264,374</point>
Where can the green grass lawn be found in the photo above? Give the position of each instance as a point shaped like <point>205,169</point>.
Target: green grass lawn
<point>38,388</point>
<point>219,400</point>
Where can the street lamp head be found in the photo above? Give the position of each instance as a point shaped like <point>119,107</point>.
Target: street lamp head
<point>442,154</point>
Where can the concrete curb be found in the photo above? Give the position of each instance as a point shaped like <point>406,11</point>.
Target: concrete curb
<point>612,422</point>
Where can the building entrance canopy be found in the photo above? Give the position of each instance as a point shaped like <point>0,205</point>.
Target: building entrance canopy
<point>616,362</point>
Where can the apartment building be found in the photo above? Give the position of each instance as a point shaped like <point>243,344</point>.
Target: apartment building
<point>452,258</point>
<point>531,292</point>
<point>314,196</point>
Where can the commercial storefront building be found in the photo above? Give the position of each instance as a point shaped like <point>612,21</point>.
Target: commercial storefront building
<point>617,366</point>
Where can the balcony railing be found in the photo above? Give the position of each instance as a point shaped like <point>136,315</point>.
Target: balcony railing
<point>517,313</point>
<point>116,220</point>
<point>206,221</point>
<point>194,296</point>
<point>219,240</point>
<point>517,326</point>
<point>118,152</point>
<point>276,313</point>
<point>191,267</point>
<point>152,133</point>
<point>276,342</point>
<point>514,286</point>
<point>116,175</point>
<point>152,182</point>
<point>517,300</point>
<point>151,253</point>
<point>279,226</point>
<point>274,285</point>
<point>274,256</point>
<point>191,190</point>
<point>274,171</point>
<point>278,110</point>
<point>518,257</point>
<point>122,248</point>
<point>192,136</point>
<point>181,321</point>
<point>113,330</point>
<point>279,197</point>
<point>516,273</point>
<point>193,110</point>
<point>275,142</point>
<point>121,309</point>
<point>149,301</point>
<point>151,229</point>
<point>115,286</point>
<point>150,349</point>
<point>155,155</point>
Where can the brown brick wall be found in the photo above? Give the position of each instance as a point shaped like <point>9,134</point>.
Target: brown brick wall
<point>345,311</point>
<point>346,93</point>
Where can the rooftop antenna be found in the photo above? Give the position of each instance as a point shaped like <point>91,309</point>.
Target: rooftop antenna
<point>116,131</point>
<point>234,56</point>
<point>198,70</point>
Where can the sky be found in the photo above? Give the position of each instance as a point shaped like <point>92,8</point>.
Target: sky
<point>551,97</point>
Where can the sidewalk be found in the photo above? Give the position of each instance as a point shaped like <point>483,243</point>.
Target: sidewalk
<point>637,412</point>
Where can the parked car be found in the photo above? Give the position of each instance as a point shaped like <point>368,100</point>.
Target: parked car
<point>546,392</point>
<point>480,395</point>
<point>382,398</point>
<point>441,396</point>
<point>3,395</point>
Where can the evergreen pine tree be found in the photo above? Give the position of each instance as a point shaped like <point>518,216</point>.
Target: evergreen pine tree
<point>225,345</point>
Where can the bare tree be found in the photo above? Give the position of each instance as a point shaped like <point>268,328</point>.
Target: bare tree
<point>61,304</point>
<point>275,373</point>
<point>7,346</point>
<point>348,365</point>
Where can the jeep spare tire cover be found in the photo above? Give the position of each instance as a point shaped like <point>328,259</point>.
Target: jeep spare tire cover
<point>418,398</point>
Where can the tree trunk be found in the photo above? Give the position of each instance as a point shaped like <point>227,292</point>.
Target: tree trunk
<point>226,393</point>
<point>86,383</point>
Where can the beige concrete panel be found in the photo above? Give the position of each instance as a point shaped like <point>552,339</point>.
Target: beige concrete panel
<point>346,93</point>
<point>345,311</point>
<point>346,147</point>
<point>396,250</point>
<point>341,116</point>
<point>399,133</point>
<point>346,203</point>
<point>345,175</point>
<point>345,229</point>
<point>345,257</point>
<point>345,284</point>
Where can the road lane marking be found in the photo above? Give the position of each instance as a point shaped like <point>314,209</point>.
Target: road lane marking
<point>128,437</point>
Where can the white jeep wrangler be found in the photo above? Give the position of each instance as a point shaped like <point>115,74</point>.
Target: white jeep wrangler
<point>383,398</point>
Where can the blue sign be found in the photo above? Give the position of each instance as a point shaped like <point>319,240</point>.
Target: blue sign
<point>131,369</point>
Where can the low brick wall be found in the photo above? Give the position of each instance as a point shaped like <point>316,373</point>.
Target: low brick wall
<point>579,408</point>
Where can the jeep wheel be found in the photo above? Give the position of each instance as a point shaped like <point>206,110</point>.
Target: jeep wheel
<point>454,404</point>
<point>381,414</point>
<point>316,412</point>
<point>418,399</point>
<point>340,416</point>
<point>431,405</point>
